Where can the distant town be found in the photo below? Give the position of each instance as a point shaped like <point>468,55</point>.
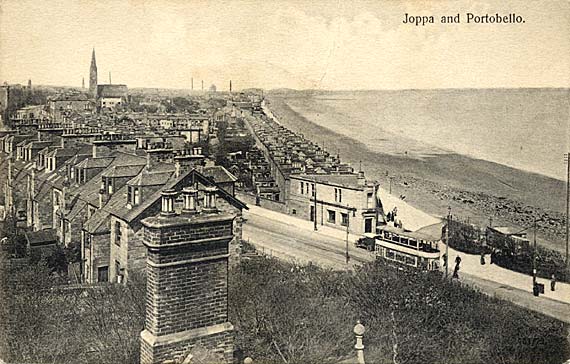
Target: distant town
<point>192,226</point>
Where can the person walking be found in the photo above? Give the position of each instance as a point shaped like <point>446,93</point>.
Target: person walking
<point>456,269</point>
<point>553,282</point>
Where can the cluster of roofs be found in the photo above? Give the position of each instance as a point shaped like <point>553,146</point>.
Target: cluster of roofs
<point>91,190</point>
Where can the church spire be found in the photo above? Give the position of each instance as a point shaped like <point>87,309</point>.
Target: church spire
<point>93,76</point>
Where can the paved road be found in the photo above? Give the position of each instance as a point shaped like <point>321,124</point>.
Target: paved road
<point>290,242</point>
<point>284,239</point>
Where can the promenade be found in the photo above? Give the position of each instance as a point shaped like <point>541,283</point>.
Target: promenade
<point>294,239</point>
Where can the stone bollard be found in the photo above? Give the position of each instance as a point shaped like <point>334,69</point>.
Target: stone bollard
<point>359,332</point>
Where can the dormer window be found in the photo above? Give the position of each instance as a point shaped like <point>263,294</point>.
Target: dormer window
<point>72,174</point>
<point>134,195</point>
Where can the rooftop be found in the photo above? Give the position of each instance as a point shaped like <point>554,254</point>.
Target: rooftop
<point>341,180</point>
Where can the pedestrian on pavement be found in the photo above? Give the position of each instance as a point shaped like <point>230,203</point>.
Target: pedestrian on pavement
<point>483,258</point>
<point>493,256</point>
<point>456,271</point>
<point>553,282</point>
<point>444,256</point>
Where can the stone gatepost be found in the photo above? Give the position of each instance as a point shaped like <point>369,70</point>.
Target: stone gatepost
<point>187,284</point>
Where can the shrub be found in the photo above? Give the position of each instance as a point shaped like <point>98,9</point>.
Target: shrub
<point>306,314</point>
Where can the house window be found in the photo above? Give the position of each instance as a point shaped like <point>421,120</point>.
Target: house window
<point>72,174</point>
<point>117,233</point>
<point>368,225</point>
<point>109,186</point>
<point>313,189</point>
<point>302,188</point>
<point>103,274</point>
<point>294,212</point>
<point>369,200</point>
<point>331,216</point>
<point>136,196</point>
<point>344,219</point>
<point>338,195</point>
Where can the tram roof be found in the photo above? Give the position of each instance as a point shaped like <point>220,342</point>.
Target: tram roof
<point>429,233</point>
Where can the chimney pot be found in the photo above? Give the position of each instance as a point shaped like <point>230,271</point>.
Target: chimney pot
<point>210,199</point>
<point>190,195</point>
<point>168,197</point>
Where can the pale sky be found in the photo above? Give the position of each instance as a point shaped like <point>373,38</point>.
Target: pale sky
<point>272,44</point>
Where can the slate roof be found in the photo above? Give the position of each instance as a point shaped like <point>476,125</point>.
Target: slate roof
<point>136,211</point>
<point>98,162</point>
<point>219,174</point>
<point>41,237</point>
<point>98,223</point>
<point>341,180</point>
<point>112,90</point>
<point>122,171</point>
<point>150,178</point>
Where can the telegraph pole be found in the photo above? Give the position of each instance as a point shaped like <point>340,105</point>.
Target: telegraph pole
<point>446,261</point>
<point>347,223</point>
<point>534,254</point>
<point>391,178</point>
<point>314,187</point>
<point>567,158</point>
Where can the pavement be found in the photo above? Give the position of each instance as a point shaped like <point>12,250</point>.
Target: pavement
<point>293,239</point>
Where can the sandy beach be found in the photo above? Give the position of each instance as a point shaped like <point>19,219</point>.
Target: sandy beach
<point>475,189</point>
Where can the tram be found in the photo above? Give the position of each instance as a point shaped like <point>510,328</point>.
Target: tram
<point>418,249</point>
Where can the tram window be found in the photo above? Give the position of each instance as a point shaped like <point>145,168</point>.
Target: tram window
<point>404,241</point>
<point>396,238</point>
<point>389,254</point>
<point>413,243</point>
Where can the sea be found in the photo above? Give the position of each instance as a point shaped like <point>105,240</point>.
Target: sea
<point>528,129</point>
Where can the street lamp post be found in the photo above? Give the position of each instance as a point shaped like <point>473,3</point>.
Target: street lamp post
<point>446,260</point>
<point>534,254</point>
<point>314,193</point>
<point>347,223</point>
<point>567,158</point>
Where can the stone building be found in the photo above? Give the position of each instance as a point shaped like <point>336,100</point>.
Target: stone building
<point>187,280</point>
<point>63,106</point>
<point>143,198</point>
<point>340,201</point>
<point>110,96</point>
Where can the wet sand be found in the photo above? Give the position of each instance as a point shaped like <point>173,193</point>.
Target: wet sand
<point>475,189</point>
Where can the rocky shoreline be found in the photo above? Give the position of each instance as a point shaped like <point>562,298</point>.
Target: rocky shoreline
<point>479,191</point>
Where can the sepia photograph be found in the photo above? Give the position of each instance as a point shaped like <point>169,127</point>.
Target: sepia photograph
<point>284,182</point>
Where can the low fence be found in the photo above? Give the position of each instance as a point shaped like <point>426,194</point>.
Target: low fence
<point>251,199</point>
<point>506,252</point>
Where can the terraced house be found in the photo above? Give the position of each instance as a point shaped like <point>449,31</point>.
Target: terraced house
<point>93,190</point>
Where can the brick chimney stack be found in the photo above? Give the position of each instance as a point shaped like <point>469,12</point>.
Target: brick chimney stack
<point>187,282</point>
